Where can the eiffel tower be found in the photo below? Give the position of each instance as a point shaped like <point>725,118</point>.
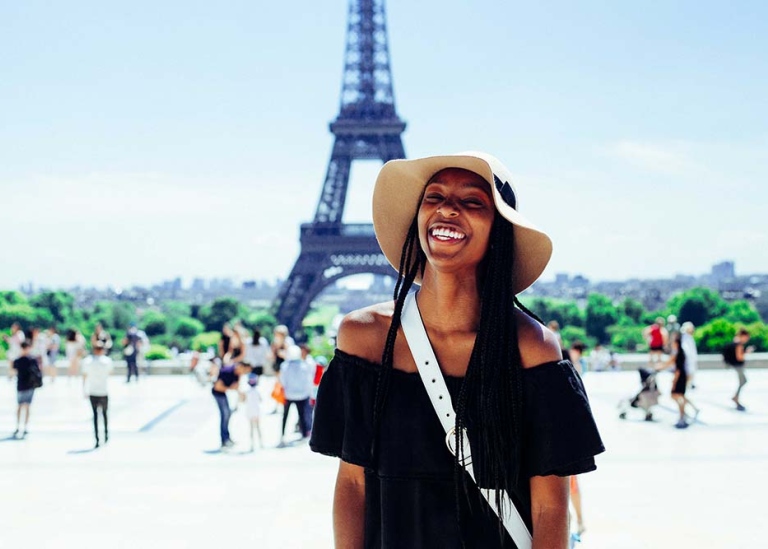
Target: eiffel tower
<point>366,128</point>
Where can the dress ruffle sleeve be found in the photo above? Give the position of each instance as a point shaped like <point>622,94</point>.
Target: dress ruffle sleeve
<point>560,435</point>
<point>343,424</point>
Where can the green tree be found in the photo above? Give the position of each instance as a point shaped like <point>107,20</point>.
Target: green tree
<point>758,336</point>
<point>712,337</point>
<point>261,320</point>
<point>600,313</point>
<point>222,310</point>
<point>154,323</point>
<point>12,298</point>
<point>566,313</point>
<point>626,338</point>
<point>632,309</point>
<point>188,327</point>
<point>742,311</point>
<point>571,334</point>
<point>201,342</point>
<point>697,305</point>
<point>61,305</point>
<point>25,314</point>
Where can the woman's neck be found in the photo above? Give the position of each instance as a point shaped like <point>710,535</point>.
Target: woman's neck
<point>449,302</point>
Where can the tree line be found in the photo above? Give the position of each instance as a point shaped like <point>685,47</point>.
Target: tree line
<point>620,324</point>
<point>169,324</point>
<point>196,327</point>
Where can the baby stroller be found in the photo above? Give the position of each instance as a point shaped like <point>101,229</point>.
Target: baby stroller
<point>647,398</point>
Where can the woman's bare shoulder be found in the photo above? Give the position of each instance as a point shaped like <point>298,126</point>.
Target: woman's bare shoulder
<point>363,332</point>
<point>538,344</point>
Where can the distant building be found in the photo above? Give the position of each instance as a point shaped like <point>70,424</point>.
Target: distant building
<point>723,271</point>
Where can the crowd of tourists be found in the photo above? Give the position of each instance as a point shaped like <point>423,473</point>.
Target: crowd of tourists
<point>34,353</point>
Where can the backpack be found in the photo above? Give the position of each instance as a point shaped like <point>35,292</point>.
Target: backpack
<point>35,376</point>
<point>729,354</point>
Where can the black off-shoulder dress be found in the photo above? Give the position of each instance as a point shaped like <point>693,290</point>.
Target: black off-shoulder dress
<point>410,494</point>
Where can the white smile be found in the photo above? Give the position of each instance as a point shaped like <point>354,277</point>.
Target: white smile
<point>445,234</point>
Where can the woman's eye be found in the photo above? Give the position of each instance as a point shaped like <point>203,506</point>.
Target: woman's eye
<point>473,202</point>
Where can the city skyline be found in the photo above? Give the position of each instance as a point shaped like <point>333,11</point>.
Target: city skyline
<point>151,141</point>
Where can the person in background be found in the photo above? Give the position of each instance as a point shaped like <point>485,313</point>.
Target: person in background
<point>257,352</point>
<point>576,356</point>
<point>74,349</point>
<point>39,351</point>
<point>227,379</point>
<point>680,381</point>
<point>599,358</point>
<point>96,370</point>
<point>281,340</point>
<point>253,408</point>
<point>673,328</point>
<point>296,377</point>
<point>322,364</point>
<point>131,345</point>
<point>554,326</point>
<point>734,355</point>
<point>224,339</point>
<point>54,346</point>
<point>688,343</point>
<point>656,336</point>
<point>27,370</point>
<point>14,340</point>
<point>100,334</point>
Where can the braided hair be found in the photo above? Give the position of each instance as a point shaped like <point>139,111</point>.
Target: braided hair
<point>490,399</point>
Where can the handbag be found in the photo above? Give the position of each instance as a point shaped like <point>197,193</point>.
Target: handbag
<point>278,393</point>
<point>432,377</point>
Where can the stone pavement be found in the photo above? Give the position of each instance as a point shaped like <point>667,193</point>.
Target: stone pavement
<point>161,482</point>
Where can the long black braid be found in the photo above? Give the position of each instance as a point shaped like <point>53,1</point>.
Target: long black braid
<point>490,400</point>
<point>412,261</point>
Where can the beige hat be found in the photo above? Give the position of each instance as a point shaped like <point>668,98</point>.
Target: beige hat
<point>401,183</point>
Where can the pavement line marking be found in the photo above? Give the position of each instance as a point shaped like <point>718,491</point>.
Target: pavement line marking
<point>153,422</point>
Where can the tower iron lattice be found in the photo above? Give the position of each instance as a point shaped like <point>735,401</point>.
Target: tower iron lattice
<point>367,128</point>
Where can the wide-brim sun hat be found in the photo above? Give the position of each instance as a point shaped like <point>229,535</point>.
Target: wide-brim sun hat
<point>401,183</point>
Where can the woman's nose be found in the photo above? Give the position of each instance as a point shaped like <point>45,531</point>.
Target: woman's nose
<point>448,209</point>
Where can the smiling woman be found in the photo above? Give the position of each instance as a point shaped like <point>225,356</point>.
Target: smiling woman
<point>461,367</point>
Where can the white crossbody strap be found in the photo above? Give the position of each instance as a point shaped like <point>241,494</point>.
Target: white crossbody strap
<point>432,377</point>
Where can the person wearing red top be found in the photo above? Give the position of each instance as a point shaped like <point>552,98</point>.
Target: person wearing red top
<point>656,335</point>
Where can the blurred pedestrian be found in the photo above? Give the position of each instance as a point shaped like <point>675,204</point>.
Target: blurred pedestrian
<point>28,378</point>
<point>281,340</point>
<point>74,349</point>
<point>296,377</point>
<point>100,334</point>
<point>14,340</point>
<point>257,352</point>
<point>688,344</point>
<point>131,345</point>
<point>253,407</point>
<point>227,379</point>
<point>680,381</point>
<point>656,336</point>
<point>54,346</point>
<point>734,356</point>
<point>96,370</point>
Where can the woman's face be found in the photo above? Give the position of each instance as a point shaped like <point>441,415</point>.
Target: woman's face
<point>455,219</point>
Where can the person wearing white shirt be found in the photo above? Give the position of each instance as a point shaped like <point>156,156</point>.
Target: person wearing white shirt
<point>96,370</point>
<point>688,343</point>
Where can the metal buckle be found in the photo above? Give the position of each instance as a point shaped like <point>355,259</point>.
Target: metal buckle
<point>450,440</point>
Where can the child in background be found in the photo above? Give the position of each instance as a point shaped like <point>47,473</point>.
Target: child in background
<point>253,408</point>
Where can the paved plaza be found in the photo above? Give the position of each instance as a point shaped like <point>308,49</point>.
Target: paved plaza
<point>161,482</point>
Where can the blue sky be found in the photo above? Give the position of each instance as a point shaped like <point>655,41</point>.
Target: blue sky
<point>146,140</point>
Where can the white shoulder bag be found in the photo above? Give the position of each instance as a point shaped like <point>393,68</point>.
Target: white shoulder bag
<point>432,377</point>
